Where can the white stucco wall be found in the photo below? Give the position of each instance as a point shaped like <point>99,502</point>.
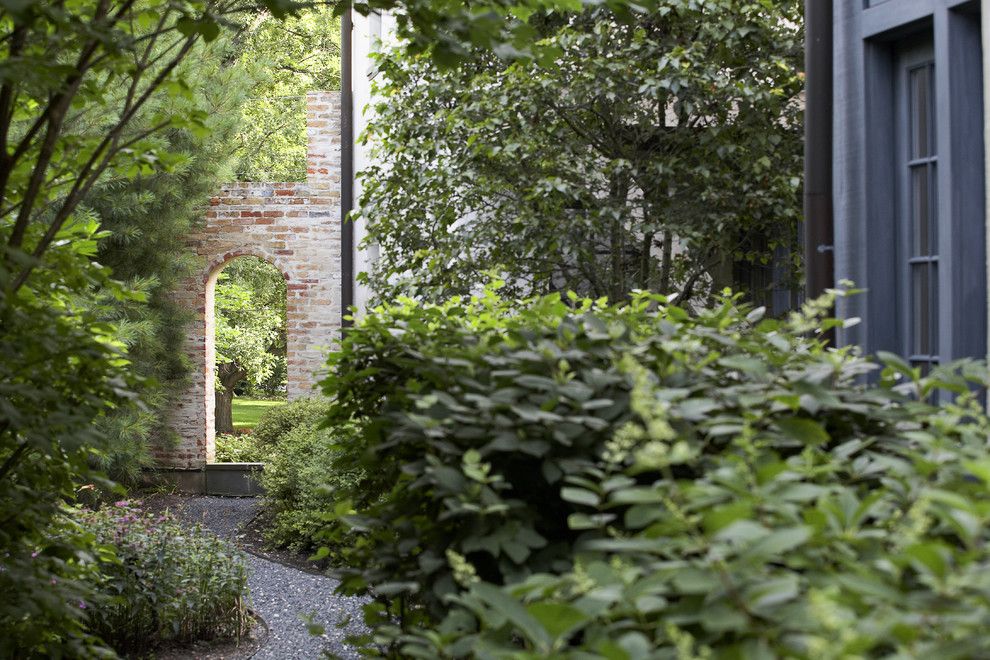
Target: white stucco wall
<point>370,33</point>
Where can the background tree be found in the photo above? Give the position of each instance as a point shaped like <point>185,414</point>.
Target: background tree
<point>76,80</point>
<point>287,58</point>
<point>250,329</point>
<point>661,153</point>
<point>148,219</point>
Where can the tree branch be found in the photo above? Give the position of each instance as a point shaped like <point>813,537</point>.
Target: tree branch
<point>95,166</point>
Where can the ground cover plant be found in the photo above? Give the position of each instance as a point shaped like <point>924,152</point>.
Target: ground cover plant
<point>162,583</point>
<point>584,480</point>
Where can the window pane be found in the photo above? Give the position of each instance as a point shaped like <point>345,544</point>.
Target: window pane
<point>920,312</point>
<point>932,210</point>
<point>921,105</point>
<point>921,211</point>
<point>933,304</point>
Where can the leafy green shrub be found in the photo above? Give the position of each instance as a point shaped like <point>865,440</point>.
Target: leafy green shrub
<point>278,422</point>
<point>828,527</point>
<point>240,448</point>
<point>301,477</point>
<point>534,391</point>
<point>627,482</point>
<point>61,372</point>
<point>168,583</point>
<point>302,481</point>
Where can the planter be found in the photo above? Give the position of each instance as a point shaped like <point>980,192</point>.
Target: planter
<point>228,479</point>
<point>234,479</point>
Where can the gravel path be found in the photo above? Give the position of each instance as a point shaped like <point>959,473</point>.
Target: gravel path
<point>280,594</point>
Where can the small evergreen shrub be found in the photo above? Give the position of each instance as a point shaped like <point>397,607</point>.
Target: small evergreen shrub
<point>589,481</point>
<point>162,583</point>
<point>302,481</point>
<point>301,477</point>
<point>239,448</point>
<point>278,422</point>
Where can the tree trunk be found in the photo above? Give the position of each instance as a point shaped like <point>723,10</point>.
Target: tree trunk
<point>229,375</point>
<point>667,264</point>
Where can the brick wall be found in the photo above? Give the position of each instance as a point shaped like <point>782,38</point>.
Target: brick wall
<point>295,227</point>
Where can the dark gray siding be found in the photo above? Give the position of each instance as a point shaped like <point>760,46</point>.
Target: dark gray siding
<point>868,35</point>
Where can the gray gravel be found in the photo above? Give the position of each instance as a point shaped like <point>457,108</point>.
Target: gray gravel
<point>281,594</point>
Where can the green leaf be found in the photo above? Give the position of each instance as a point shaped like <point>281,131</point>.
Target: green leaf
<point>558,619</point>
<point>579,496</point>
<point>979,469</point>
<point>777,543</point>
<point>804,430</point>
<point>773,592</point>
<point>696,581</point>
<point>512,610</point>
<point>928,558</point>
<point>636,495</point>
<point>723,516</point>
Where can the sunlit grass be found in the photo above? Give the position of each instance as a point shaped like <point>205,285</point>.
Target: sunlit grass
<point>247,412</point>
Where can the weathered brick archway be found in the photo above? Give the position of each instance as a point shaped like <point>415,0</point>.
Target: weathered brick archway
<point>296,228</point>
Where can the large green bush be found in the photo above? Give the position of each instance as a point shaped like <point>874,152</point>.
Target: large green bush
<point>302,483</point>
<point>239,448</point>
<point>279,421</point>
<point>627,482</point>
<point>163,583</point>
<point>301,477</point>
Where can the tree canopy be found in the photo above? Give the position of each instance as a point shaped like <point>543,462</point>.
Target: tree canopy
<point>287,58</point>
<point>658,153</point>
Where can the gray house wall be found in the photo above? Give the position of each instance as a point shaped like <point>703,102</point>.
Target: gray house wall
<point>868,198</point>
<point>986,132</point>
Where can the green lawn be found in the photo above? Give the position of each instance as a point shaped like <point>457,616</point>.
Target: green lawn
<point>247,412</point>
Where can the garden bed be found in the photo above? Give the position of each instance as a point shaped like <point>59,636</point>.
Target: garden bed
<point>238,649</point>
<point>250,536</point>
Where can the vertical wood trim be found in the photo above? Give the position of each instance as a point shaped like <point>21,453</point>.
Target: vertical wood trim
<point>880,247</point>
<point>985,20</point>
<point>968,191</point>
<point>947,234</point>
<point>848,176</point>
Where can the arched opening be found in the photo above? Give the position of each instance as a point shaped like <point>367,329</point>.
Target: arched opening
<point>246,345</point>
